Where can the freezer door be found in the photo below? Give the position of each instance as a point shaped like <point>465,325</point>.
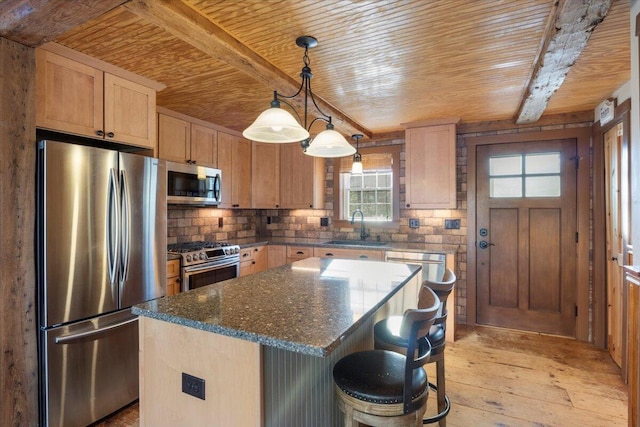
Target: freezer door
<point>143,183</point>
<point>89,369</point>
<point>76,239</point>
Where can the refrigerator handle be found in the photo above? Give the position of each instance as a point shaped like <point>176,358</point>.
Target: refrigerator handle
<point>65,339</point>
<point>126,219</point>
<point>113,223</point>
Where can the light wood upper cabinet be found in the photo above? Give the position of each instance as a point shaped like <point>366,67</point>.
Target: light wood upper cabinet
<point>431,167</point>
<point>234,161</point>
<point>204,145</point>
<point>265,175</point>
<point>284,177</point>
<point>129,111</point>
<point>301,179</point>
<point>76,98</point>
<point>174,136</point>
<point>181,140</point>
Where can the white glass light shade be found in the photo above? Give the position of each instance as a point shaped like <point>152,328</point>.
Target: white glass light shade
<point>356,168</point>
<point>329,143</point>
<point>277,126</point>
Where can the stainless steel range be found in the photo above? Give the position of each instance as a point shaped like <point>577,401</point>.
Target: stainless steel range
<point>204,263</point>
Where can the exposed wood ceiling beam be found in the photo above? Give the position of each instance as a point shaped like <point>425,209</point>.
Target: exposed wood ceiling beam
<point>192,27</point>
<point>34,22</point>
<point>570,26</point>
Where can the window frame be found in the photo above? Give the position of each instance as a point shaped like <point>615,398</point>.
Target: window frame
<point>395,151</point>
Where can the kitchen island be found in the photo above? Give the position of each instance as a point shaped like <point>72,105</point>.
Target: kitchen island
<point>264,344</point>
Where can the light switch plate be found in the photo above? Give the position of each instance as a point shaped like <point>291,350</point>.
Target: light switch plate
<point>414,223</point>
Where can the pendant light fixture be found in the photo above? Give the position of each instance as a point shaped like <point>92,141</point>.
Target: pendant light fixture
<point>356,166</point>
<point>276,125</point>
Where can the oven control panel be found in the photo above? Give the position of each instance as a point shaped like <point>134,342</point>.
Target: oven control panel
<point>213,254</point>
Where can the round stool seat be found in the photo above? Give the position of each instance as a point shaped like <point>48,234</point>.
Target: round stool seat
<point>377,376</point>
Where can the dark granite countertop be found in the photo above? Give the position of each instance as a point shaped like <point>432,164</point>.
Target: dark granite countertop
<point>387,246</point>
<point>308,307</point>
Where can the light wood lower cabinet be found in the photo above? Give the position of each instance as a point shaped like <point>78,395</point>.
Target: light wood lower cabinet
<point>369,254</point>
<point>277,255</point>
<point>173,277</point>
<point>253,260</point>
<point>296,253</point>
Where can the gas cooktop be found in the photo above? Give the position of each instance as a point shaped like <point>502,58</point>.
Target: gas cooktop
<point>179,248</point>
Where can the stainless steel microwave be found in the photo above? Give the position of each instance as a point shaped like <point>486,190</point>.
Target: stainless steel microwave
<point>193,185</point>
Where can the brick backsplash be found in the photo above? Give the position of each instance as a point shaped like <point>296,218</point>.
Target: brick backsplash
<point>188,224</point>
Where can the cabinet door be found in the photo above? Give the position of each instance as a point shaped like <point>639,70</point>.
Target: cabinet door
<point>129,112</point>
<point>234,160</point>
<point>174,137</point>
<point>69,94</point>
<point>204,145</point>
<point>225,164</point>
<point>277,255</point>
<point>431,167</point>
<point>241,165</point>
<point>301,179</point>
<point>265,175</point>
<point>260,259</point>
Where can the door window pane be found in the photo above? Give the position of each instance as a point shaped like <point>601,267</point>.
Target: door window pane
<point>505,187</point>
<point>505,165</point>
<point>542,163</point>
<point>542,186</point>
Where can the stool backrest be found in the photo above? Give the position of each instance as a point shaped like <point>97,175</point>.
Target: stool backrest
<point>442,290</point>
<point>415,327</point>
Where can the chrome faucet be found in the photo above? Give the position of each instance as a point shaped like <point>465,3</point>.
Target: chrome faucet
<point>363,231</point>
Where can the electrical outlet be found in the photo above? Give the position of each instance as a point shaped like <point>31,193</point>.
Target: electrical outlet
<point>324,221</point>
<point>452,224</point>
<point>268,220</point>
<point>220,222</point>
<point>414,223</point>
<point>193,386</point>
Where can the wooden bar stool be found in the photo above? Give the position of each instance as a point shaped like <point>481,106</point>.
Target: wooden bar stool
<point>383,388</point>
<point>387,338</point>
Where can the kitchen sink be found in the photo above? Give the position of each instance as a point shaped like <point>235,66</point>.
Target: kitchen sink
<point>355,243</point>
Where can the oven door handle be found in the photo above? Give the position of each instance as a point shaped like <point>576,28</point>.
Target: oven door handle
<point>203,267</point>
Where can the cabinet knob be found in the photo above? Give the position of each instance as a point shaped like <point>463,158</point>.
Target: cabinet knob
<point>408,205</point>
<point>310,206</point>
<point>277,206</point>
<point>100,132</point>
<point>111,134</point>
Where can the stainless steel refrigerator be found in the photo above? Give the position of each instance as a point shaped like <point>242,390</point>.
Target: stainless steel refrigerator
<point>101,237</point>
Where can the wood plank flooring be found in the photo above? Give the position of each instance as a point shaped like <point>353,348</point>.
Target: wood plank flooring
<point>498,377</point>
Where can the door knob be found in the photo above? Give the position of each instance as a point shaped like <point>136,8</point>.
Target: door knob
<point>483,244</point>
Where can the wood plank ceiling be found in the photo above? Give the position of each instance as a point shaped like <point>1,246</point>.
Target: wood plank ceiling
<point>379,63</point>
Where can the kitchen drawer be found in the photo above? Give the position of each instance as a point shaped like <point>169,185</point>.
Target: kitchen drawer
<point>299,252</point>
<point>370,254</point>
<point>246,254</point>
<point>173,268</point>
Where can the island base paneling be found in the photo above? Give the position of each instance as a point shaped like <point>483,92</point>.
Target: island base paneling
<point>230,367</point>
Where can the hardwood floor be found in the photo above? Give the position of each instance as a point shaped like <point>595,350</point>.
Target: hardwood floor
<point>498,377</point>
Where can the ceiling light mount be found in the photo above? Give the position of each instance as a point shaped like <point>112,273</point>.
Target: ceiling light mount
<point>276,125</point>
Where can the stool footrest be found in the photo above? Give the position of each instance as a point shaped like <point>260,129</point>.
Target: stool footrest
<point>445,411</point>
